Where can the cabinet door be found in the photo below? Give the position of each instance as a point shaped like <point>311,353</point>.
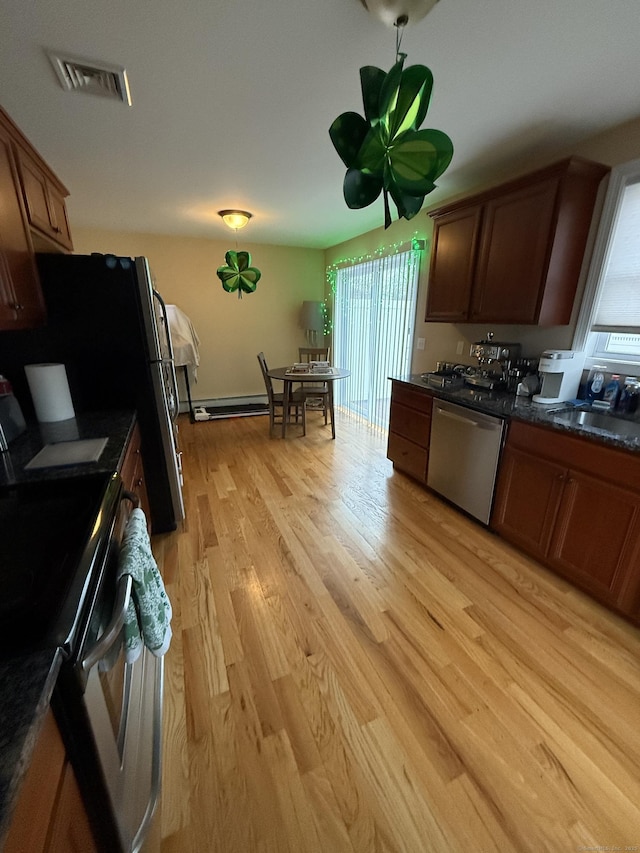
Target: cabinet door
<point>596,538</point>
<point>70,830</point>
<point>516,244</point>
<point>59,214</point>
<point>44,203</point>
<point>453,258</point>
<point>37,798</point>
<point>527,500</point>
<point>21,302</point>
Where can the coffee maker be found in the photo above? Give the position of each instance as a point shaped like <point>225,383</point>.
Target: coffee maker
<point>560,373</point>
<point>494,361</point>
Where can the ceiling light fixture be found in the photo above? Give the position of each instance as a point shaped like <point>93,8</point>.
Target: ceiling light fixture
<point>398,12</point>
<point>235,219</point>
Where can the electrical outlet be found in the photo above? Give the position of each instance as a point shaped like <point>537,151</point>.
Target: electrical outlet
<point>420,344</point>
<point>460,348</point>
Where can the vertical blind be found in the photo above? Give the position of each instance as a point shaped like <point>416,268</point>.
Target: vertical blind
<point>374,316</point>
<point>618,308</point>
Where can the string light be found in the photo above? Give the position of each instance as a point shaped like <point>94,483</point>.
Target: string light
<point>417,244</point>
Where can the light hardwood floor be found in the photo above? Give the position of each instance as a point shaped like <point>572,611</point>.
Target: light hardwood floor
<point>358,667</point>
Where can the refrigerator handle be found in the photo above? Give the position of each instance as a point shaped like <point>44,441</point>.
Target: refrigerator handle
<point>165,319</point>
<point>174,380</point>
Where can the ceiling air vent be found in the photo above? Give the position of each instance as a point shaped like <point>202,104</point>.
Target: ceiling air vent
<point>94,78</point>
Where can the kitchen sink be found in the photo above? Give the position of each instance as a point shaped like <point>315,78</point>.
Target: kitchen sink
<point>598,422</point>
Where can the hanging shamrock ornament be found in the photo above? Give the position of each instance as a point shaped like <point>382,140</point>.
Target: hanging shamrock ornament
<point>384,151</point>
<point>238,274</point>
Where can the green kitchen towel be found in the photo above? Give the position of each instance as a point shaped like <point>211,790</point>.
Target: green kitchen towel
<point>149,614</point>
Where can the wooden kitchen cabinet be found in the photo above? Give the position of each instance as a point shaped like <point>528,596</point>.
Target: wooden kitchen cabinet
<point>49,816</point>
<point>132,471</point>
<point>409,429</point>
<point>514,254</point>
<point>527,499</point>
<point>44,198</point>
<point>575,505</point>
<point>21,302</point>
<point>456,237</point>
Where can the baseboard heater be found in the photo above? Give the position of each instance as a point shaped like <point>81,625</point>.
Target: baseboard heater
<point>238,410</point>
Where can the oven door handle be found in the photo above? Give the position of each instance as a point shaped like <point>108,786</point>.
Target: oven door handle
<point>113,629</point>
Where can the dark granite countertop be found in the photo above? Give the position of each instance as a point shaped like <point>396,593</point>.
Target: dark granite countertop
<point>506,405</point>
<point>116,426</point>
<point>27,681</point>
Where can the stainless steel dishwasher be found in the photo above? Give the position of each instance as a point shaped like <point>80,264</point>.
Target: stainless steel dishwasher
<point>463,457</point>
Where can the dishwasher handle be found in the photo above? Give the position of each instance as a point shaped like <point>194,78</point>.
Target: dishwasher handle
<point>488,423</point>
<point>445,414</point>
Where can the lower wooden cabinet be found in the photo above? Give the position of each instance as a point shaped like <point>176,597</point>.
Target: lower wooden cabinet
<point>50,816</point>
<point>132,472</point>
<point>409,429</point>
<point>574,505</point>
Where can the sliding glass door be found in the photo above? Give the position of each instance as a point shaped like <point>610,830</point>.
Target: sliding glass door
<point>373,324</point>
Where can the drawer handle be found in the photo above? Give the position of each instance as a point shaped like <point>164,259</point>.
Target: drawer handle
<point>131,496</point>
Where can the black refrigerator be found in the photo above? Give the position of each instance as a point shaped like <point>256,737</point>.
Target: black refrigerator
<point>107,324</point>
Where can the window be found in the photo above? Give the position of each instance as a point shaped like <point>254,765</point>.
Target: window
<point>609,324</point>
<point>374,316</point>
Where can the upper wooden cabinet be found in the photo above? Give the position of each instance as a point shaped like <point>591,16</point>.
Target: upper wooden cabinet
<point>21,302</point>
<point>44,200</point>
<point>33,217</point>
<point>514,254</point>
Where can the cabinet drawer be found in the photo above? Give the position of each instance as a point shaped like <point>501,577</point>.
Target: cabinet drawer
<point>131,470</point>
<point>412,397</point>
<point>407,456</point>
<point>410,424</point>
<point>607,463</point>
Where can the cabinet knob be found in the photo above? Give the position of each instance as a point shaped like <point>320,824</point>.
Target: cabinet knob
<point>17,306</point>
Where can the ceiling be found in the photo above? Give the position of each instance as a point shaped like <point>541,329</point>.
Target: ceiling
<point>232,101</point>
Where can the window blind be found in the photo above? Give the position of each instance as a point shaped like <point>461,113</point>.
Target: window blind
<point>374,315</point>
<point>618,308</point>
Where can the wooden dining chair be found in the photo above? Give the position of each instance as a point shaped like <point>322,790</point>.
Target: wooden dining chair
<point>276,400</point>
<point>316,397</point>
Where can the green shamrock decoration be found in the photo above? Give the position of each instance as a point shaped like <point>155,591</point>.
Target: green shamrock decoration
<point>385,152</point>
<point>238,274</point>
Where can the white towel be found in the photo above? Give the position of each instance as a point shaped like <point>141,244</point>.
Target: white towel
<point>184,339</point>
<point>149,614</point>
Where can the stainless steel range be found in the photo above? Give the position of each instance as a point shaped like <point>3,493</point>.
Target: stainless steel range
<point>59,588</point>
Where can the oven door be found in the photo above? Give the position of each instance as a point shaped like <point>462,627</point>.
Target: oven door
<point>123,702</point>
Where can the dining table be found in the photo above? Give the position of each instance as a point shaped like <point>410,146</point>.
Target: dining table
<point>288,376</point>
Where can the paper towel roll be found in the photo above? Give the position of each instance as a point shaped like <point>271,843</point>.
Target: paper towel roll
<point>50,392</point>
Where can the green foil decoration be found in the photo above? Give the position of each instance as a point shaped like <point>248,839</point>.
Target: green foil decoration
<point>238,274</point>
<point>385,152</point>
